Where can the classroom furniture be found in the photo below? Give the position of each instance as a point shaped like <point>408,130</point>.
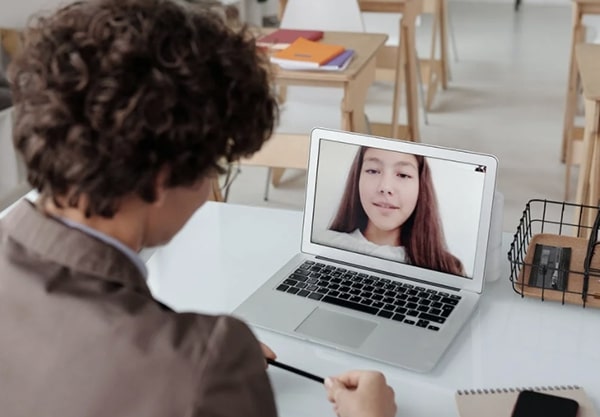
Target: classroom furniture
<point>404,57</point>
<point>570,131</point>
<point>588,181</point>
<point>226,251</point>
<point>436,68</point>
<point>354,80</point>
<point>291,150</point>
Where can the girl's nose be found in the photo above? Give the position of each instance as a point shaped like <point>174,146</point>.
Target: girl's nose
<point>385,185</point>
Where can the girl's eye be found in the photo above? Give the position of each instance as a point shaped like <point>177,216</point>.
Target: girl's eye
<point>371,171</point>
<point>401,175</point>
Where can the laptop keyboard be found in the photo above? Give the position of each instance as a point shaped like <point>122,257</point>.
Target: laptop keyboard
<point>407,303</point>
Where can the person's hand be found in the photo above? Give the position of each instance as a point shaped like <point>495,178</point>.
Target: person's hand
<point>267,353</point>
<point>361,394</point>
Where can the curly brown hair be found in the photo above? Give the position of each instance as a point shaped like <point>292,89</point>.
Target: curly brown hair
<point>108,92</point>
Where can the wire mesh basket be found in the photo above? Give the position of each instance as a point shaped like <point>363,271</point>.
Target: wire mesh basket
<point>552,255</point>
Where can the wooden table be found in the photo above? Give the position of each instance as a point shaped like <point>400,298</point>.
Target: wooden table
<point>570,132</point>
<point>354,80</point>
<point>284,150</point>
<point>402,57</point>
<point>588,183</point>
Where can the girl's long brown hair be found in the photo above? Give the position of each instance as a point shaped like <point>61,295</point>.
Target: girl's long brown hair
<point>421,234</point>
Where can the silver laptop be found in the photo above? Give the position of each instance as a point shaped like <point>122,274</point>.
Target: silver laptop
<point>393,250</point>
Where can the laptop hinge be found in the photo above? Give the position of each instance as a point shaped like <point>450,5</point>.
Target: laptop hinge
<point>366,268</point>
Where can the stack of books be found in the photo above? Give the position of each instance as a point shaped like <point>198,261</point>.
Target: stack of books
<point>304,52</point>
<point>282,38</point>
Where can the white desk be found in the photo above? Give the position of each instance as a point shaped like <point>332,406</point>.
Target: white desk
<point>226,251</point>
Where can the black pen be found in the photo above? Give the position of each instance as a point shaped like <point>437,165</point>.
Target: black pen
<point>295,370</point>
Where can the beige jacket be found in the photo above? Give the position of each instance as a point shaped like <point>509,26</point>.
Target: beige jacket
<point>81,336</point>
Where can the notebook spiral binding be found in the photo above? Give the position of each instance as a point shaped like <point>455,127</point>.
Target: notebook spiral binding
<point>514,389</point>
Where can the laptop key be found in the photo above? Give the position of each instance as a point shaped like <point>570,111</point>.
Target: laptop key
<point>448,300</point>
<point>283,287</point>
<point>409,321</point>
<point>315,296</point>
<point>446,312</point>
<point>303,293</point>
<point>377,304</point>
<point>385,314</point>
<point>350,305</point>
<point>431,317</point>
<point>423,323</point>
<point>293,290</point>
<point>398,317</point>
<point>434,328</point>
<point>401,310</point>
<point>435,311</point>
<point>412,313</point>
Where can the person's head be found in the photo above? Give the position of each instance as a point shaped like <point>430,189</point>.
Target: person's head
<point>388,188</point>
<point>145,99</point>
<point>393,192</point>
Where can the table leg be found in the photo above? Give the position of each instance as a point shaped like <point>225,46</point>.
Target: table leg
<point>407,63</point>
<point>572,84</point>
<point>443,11</point>
<point>587,165</point>
<point>355,97</point>
<point>594,193</point>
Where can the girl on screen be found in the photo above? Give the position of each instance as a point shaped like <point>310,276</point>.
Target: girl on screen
<point>389,209</point>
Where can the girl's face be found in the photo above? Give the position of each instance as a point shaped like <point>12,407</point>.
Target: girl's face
<point>388,188</point>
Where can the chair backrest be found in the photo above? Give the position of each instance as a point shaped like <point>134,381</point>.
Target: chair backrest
<point>333,15</point>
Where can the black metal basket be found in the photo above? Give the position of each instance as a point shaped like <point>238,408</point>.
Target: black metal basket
<point>561,221</point>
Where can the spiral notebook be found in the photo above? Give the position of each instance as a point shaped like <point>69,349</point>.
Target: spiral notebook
<point>499,402</point>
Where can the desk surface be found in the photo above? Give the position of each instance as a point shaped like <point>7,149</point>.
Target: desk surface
<point>386,6</point>
<point>588,62</point>
<point>365,46</point>
<point>226,251</point>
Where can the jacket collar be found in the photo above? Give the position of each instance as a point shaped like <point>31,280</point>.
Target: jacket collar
<point>54,241</point>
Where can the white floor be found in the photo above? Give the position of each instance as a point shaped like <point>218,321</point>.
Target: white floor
<point>506,97</point>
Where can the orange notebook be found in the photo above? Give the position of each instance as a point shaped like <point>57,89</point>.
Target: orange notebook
<point>314,54</point>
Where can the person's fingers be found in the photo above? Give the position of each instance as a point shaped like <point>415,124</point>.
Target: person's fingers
<point>351,379</point>
<point>333,387</point>
<point>267,351</point>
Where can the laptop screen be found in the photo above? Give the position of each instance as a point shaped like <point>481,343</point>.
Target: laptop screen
<point>418,210</point>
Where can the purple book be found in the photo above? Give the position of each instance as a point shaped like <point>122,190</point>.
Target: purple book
<point>340,60</point>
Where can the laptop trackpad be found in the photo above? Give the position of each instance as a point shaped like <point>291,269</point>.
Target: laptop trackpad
<point>337,328</point>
